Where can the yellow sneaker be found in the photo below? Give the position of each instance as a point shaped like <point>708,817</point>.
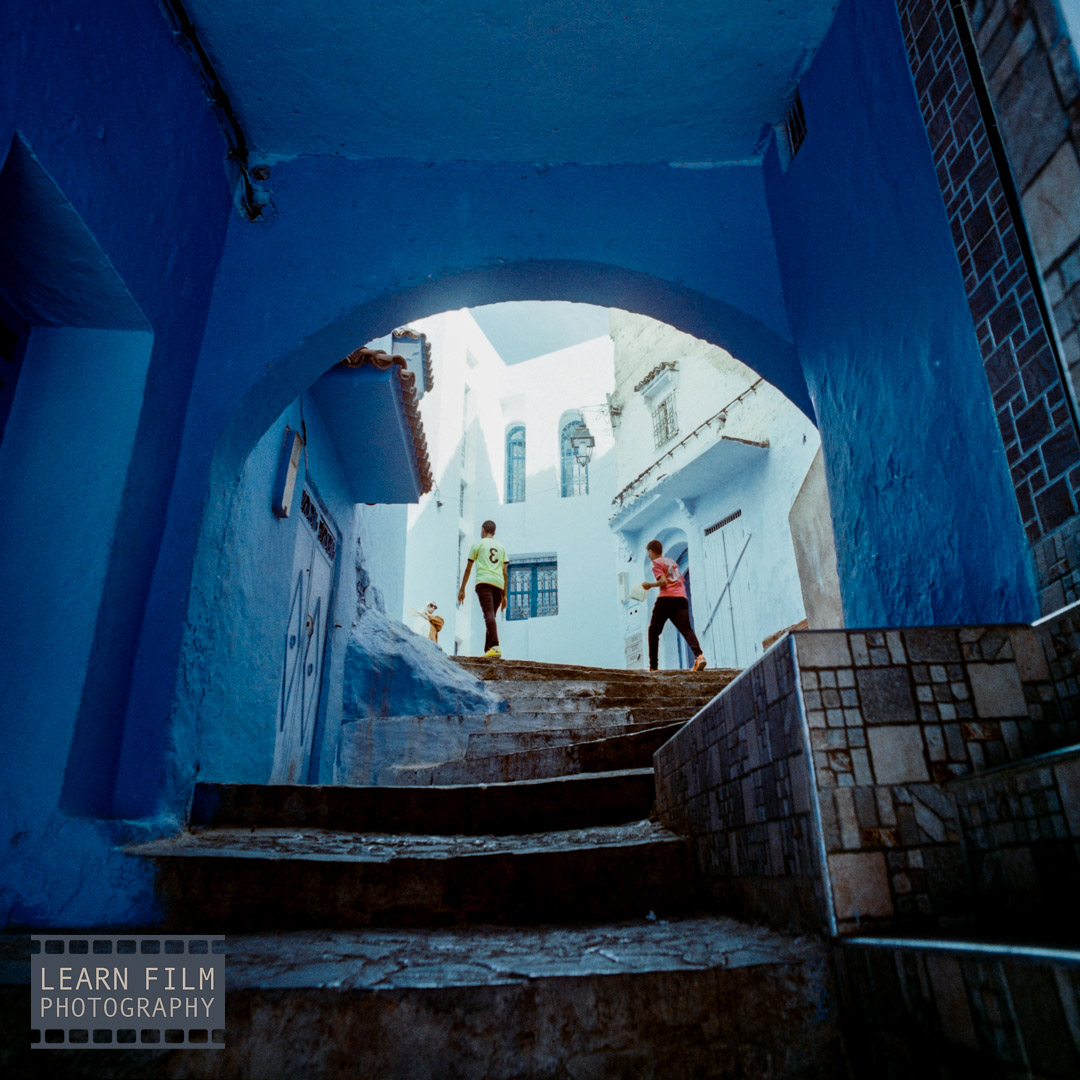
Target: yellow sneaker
<point>494,651</point>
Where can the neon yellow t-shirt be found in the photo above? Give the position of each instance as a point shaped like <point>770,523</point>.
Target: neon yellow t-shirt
<point>489,557</point>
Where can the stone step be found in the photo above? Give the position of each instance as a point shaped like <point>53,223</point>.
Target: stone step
<point>282,879</point>
<point>632,750</point>
<point>371,748</point>
<point>601,725</point>
<point>1020,828</point>
<point>688,997</point>
<point>569,698</point>
<point>609,798</point>
<point>486,668</point>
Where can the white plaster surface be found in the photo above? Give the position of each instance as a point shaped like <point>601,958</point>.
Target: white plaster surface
<point>476,392</point>
<point>694,481</point>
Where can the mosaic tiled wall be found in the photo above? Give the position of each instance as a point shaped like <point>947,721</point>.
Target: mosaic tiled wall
<point>892,716</point>
<point>932,1011</point>
<point>1021,834</point>
<point>840,750</point>
<point>1035,83</point>
<point>1025,382</point>
<point>737,781</point>
<point>1059,635</point>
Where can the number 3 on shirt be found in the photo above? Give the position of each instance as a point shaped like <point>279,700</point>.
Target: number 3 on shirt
<point>493,556</point>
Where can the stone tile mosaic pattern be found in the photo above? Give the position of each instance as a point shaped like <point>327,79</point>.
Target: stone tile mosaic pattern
<point>874,727</point>
<point>893,715</point>
<point>1028,57</point>
<point>1059,635</point>
<point>932,1011</point>
<point>736,780</point>
<point>1021,833</point>
<point>1025,382</point>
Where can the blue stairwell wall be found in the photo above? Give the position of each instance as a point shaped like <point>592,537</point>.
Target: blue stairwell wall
<point>927,526</point>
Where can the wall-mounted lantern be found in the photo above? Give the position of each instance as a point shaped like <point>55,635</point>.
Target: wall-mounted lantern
<point>582,442</point>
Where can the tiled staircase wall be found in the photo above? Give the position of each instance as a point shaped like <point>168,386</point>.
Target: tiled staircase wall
<point>935,1009</point>
<point>1021,830</point>
<point>737,781</point>
<point>816,788</point>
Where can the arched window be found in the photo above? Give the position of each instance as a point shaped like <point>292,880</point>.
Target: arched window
<point>515,464</point>
<point>575,477</point>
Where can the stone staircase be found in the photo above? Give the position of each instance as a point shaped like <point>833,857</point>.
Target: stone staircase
<point>526,919</point>
<point>546,710</point>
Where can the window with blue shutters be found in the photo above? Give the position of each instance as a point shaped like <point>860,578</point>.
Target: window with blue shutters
<point>575,476</point>
<point>515,464</point>
<point>534,587</point>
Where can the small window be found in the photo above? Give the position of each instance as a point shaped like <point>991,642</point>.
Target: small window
<point>515,464</point>
<point>665,423</point>
<point>534,588</point>
<point>574,475</point>
<point>791,133</point>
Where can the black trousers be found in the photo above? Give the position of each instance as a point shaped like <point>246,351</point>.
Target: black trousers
<point>490,597</point>
<point>677,609</point>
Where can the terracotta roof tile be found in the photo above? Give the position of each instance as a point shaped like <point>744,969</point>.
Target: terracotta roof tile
<point>383,361</point>
<point>667,365</point>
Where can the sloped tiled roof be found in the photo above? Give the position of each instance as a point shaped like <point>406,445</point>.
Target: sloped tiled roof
<point>667,365</point>
<point>383,361</point>
<point>429,369</point>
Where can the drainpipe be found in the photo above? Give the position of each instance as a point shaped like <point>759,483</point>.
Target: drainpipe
<point>184,30</point>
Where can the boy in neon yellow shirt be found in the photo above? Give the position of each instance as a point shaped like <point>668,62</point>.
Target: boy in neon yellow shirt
<point>491,583</point>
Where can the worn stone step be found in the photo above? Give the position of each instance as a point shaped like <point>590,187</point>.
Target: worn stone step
<point>688,997</point>
<point>622,722</point>
<point>280,879</point>
<point>609,798</point>
<point>574,697</point>
<point>372,747</point>
<point>487,668</point>
<point>633,750</point>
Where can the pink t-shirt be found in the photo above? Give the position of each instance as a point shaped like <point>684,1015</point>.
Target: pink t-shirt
<point>669,568</point>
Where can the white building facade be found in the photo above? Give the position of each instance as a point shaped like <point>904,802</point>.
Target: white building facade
<point>499,439</point>
<point>710,459</point>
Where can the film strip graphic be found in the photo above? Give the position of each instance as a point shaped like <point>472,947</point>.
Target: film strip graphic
<point>121,992</point>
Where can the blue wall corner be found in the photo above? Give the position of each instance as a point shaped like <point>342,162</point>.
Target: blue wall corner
<point>927,529</point>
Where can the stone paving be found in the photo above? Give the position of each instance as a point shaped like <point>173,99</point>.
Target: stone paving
<point>383,959</point>
<point>521,949</point>
<point>328,845</point>
<point>487,955</point>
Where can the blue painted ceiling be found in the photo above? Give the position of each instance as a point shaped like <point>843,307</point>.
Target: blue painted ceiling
<point>590,81</point>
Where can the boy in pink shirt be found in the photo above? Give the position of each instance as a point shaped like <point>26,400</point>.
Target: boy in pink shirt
<point>670,604</point>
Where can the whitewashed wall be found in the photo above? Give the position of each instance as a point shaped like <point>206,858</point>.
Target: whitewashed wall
<point>587,629</point>
<point>705,480</point>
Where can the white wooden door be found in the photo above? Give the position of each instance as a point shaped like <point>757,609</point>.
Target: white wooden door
<point>304,645</point>
<point>730,635</point>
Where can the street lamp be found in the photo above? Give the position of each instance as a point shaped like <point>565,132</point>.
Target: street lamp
<point>582,443</point>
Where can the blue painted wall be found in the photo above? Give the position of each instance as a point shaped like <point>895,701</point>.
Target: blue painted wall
<point>862,275</point>
<point>355,249</point>
<point>114,114</point>
<point>250,579</point>
<point>927,528</point>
